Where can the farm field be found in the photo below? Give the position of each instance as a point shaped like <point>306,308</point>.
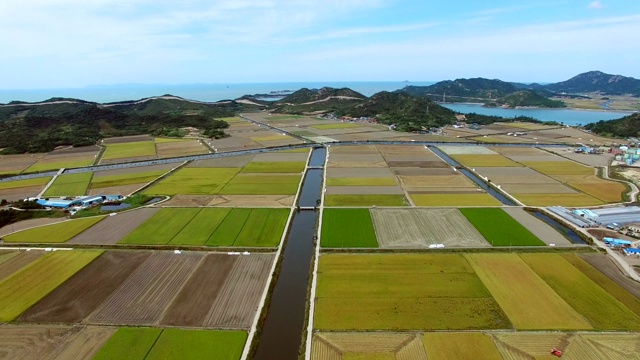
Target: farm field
<point>124,179</point>
<point>489,160</point>
<point>113,228</point>
<point>242,227</point>
<point>15,164</point>
<point>347,228</point>
<point>129,343</point>
<point>537,227</point>
<point>55,233</point>
<point>197,181</point>
<point>11,262</point>
<point>26,286</point>
<point>127,150</point>
<point>451,295</point>
<point>474,199</point>
<point>21,189</point>
<point>529,302</point>
<point>509,233</point>
<point>167,147</point>
<point>274,167</point>
<point>420,228</point>
<point>70,185</point>
<point>65,158</point>
<point>365,200</point>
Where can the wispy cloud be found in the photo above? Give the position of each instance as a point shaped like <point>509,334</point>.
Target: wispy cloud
<point>595,5</point>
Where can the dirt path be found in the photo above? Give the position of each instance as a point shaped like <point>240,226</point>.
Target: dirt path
<point>538,227</point>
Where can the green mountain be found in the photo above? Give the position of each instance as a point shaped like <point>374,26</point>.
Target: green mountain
<point>43,126</point>
<point>463,90</point>
<point>628,126</point>
<point>313,100</point>
<point>527,98</point>
<point>597,81</point>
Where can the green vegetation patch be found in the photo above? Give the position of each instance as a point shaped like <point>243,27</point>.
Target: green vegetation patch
<point>336,126</point>
<point>264,227</point>
<point>199,229</point>
<point>54,165</point>
<point>24,183</point>
<point>228,230</point>
<point>365,200</point>
<point>402,292</point>
<point>361,182</point>
<point>129,343</point>
<point>198,344</point>
<point>499,228</point>
<point>274,167</point>
<point>129,150</point>
<point>28,285</point>
<point>602,309</point>
<point>164,140</point>
<point>70,185</point>
<point>348,228</point>
<point>454,345</point>
<point>527,300</point>
<point>194,181</point>
<point>54,233</point>
<point>161,227</point>
<point>262,184</point>
<point>125,179</point>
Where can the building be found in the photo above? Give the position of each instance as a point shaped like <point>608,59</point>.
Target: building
<point>82,202</point>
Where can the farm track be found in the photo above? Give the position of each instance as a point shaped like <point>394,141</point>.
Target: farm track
<point>142,298</point>
<point>238,300</point>
<point>18,262</point>
<point>86,290</point>
<point>113,228</point>
<point>194,301</point>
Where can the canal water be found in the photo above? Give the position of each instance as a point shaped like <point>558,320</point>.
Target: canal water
<point>281,335</point>
<point>571,235</point>
<point>475,178</point>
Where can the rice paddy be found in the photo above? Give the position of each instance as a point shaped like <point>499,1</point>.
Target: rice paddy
<point>509,233</point>
<point>480,199</point>
<point>70,185</point>
<point>129,150</point>
<point>348,228</point>
<point>55,233</point>
<point>365,200</point>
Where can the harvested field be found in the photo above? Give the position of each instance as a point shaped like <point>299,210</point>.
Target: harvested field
<point>560,168</point>
<point>127,139</point>
<point>509,233</point>
<point>347,228</point>
<point>129,343</point>
<point>353,287</point>
<point>180,148</point>
<point>24,288</point>
<point>586,159</point>
<point>198,344</point>
<point>600,308</point>
<point>160,228</point>
<point>238,300</point>
<point>357,158</point>
<point>194,181</point>
<point>113,228</point>
<point>224,162</point>
<point>537,227</point>
<point>524,345</point>
<point>144,295</point>
<point>356,149</point>
<point>188,201</point>
<point>274,201</point>
<point>85,343</point>
<point>360,181</point>
<point>350,165</point>
<point>466,345</point>
<point>570,200</point>
<point>121,190</point>
<point>70,185</point>
<point>359,173</point>
<point>24,183</point>
<point>607,267</point>
<point>538,189</point>
<point>75,299</point>
<point>409,171</point>
<point>16,194</point>
<point>26,224</point>
<point>56,233</point>
<point>529,302</point>
<point>17,261</point>
<point>418,164</point>
<point>365,200</point>
<point>15,164</point>
<point>126,150</point>
<point>475,199</point>
<point>282,157</point>
<point>337,126</point>
<point>372,345</point>
<point>466,150</point>
<point>364,190</point>
<point>393,150</point>
<point>419,228</point>
<point>33,342</point>
<point>437,181</point>
<point>493,160</point>
<point>515,175</point>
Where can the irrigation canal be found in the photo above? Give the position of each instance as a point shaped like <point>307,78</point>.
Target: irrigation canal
<point>283,327</point>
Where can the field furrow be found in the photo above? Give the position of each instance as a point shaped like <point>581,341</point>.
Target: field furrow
<point>142,298</point>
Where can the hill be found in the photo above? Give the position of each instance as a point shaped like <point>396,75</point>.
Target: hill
<point>463,90</point>
<point>43,126</point>
<point>527,98</point>
<point>597,81</point>
<point>628,126</point>
<point>313,100</point>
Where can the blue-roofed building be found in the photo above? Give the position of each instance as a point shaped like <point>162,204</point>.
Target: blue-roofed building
<point>55,203</point>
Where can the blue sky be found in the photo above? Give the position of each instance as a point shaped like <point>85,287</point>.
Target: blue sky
<point>75,43</point>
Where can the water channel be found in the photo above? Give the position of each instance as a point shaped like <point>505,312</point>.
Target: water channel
<point>571,235</point>
<point>282,330</point>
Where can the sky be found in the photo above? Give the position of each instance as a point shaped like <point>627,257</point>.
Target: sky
<point>77,43</point>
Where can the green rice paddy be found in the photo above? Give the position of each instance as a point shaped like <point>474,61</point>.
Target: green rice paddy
<point>365,200</point>
<point>129,150</point>
<point>508,233</point>
<point>54,233</point>
<point>348,228</point>
<point>274,167</point>
<point>125,179</point>
<point>70,185</point>
<point>24,183</point>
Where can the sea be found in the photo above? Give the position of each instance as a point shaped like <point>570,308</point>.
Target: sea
<point>217,92</point>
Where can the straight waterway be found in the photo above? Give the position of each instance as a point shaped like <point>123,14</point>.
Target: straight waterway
<point>282,330</point>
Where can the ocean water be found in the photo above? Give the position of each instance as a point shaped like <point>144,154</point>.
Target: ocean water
<point>566,116</point>
<point>200,92</point>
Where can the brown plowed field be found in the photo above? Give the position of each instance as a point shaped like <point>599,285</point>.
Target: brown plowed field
<point>85,343</point>
<point>252,200</point>
<point>418,150</point>
<point>419,228</point>
<point>20,193</point>
<point>116,190</point>
<point>18,262</point>
<point>606,266</point>
<point>363,173</point>
<point>113,228</point>
<point>76,298</point>
<point>236,304</point>
<point>188,200</point>
<point>180,148</point>
<point>79,151</point>
<point>127,159</point>
<point>142,298</point>
<point>33,342</point>
<point>133,170</point>
<point>25,224</point>
<point>193,303</point>
<point>17,163</point>
<point>225,162</point>
<point>126,139</point>
<point>364,190</point>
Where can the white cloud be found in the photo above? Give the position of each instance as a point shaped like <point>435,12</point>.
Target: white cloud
<point>596,5</point>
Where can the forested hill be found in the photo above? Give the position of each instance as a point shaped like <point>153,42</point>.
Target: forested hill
<point>628,126</point>
<point>597,81</point>
<point>40,127</point>
<point>527,98</point>
<point>305,95</point>
<point>463,90</point>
